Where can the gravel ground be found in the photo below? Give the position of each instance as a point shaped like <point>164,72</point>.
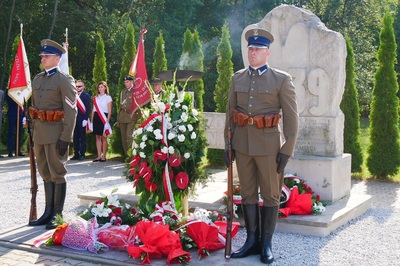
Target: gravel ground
<point>371,239</point>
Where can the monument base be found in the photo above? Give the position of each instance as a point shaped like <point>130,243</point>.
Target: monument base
<point>329,177</point>
<point>335,215</point>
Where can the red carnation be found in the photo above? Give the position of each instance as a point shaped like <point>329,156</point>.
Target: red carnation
<point>182,180</point>
<point>117,211</point>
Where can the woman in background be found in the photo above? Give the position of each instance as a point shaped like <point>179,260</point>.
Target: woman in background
<point>101,115</point>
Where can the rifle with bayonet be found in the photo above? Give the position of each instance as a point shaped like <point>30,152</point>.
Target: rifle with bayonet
<point>32,162</point>
<point>229,205</point>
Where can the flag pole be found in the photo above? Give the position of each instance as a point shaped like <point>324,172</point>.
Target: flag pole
<point>18,113</point>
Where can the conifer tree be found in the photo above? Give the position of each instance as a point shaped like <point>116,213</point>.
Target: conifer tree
<point>187,46</point>
<point>160,59</point>
<point>198,65</point>
<point>384,150</point>
<point>221,92</point>
<point>99,74</point>
<point>99,68</point>
<point>350,108</point>
<point>127,59</point>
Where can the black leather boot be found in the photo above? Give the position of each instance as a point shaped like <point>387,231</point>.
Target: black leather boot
<point>60,191</point>
<point>269,215</point>
<point>252,244</point>
<point>48,210</point>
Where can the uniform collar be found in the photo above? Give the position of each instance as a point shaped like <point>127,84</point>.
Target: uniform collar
<point>261,70</point>
<point>51,71</point>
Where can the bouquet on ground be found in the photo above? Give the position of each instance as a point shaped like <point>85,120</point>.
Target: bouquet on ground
<point>168,148</point>
<point>109,209</point>
<point>299,198</point>
<point>79,235</point>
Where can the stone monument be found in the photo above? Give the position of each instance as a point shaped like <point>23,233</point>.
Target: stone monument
<point>316,58</point>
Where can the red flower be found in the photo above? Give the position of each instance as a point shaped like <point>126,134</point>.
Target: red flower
<point>133,211</point>
<point>99,202</point>
<point>182,180</point>
<point>117,211</point>
<point>136,180</point>
<point>318,197</point>
<point>142,168</point>
<point>151,186</point>
<point>132,171</point>
<point>148,172</point>
<point>159,155</point>
<point>174,160</point>
<point>135,161</point>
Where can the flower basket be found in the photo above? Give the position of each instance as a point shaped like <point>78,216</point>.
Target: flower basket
<point>168,148</point>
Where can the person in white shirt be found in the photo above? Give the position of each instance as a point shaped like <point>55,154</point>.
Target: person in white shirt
<point>101,115</point>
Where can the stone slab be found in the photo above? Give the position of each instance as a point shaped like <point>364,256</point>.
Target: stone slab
<point>210,197</point>
<point>335,215</point>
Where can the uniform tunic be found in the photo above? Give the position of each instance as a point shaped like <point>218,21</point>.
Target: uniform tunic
<point>259,93</point>
<point>126,120</point>
<point>53,91</point>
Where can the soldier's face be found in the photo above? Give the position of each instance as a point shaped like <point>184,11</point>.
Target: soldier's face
<point>49,61</point>
<point>128,84</point>
<point>258,56</point>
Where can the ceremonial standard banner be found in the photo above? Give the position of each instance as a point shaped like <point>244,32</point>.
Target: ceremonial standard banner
<point>141,93</point>
<point>20,87</point>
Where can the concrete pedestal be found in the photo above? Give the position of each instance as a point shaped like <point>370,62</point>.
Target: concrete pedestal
<point>329,177</point>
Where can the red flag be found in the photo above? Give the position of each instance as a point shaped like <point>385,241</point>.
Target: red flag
<point>19,86</point>
<point>141,93</point>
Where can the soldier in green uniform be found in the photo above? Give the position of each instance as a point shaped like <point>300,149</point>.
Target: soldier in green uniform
<point>53,112</point>
<point>127,120</point>
<point>259,96</point>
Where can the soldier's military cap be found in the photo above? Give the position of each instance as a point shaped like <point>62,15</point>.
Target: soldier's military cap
<point>51,48</point>
<point>128,78</point>
<point>156,80</point>
<point>258,37</point>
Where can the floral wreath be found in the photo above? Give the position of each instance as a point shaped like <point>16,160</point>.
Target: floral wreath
<point>168,148</point>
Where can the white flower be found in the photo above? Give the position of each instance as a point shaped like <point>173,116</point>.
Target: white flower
<point>182,128</point>
<point>139,131</point>
<point>142,145</point>
<point>149,128</point>
<point>144,138</point>
<point>171,150</point>
<point>177,105</point>
<point>193,135</point>
<point>195,112</point>
<point>146,112</point>
<point>113,200</point>
<point>169,125</point>
<point>186,155</point>
<point>171,135</point>
<point>190,127</point>
<point>142,154</point>
<point>161,106</point>
<point>157,134</point>
<point>100,211</point>
<point>181,137</point>
<point>184,117</point>
<point>134,152</point>
<point>164,149</point>
<point>171,97</point>
<point>184,107</point>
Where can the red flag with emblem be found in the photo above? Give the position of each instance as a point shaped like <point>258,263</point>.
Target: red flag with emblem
<point>141,93</point>
<point>19,87</point>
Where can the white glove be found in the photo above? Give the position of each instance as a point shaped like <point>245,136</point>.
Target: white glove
<point>107,126</point>
<point>24,121</point>
<point>84,123</point>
